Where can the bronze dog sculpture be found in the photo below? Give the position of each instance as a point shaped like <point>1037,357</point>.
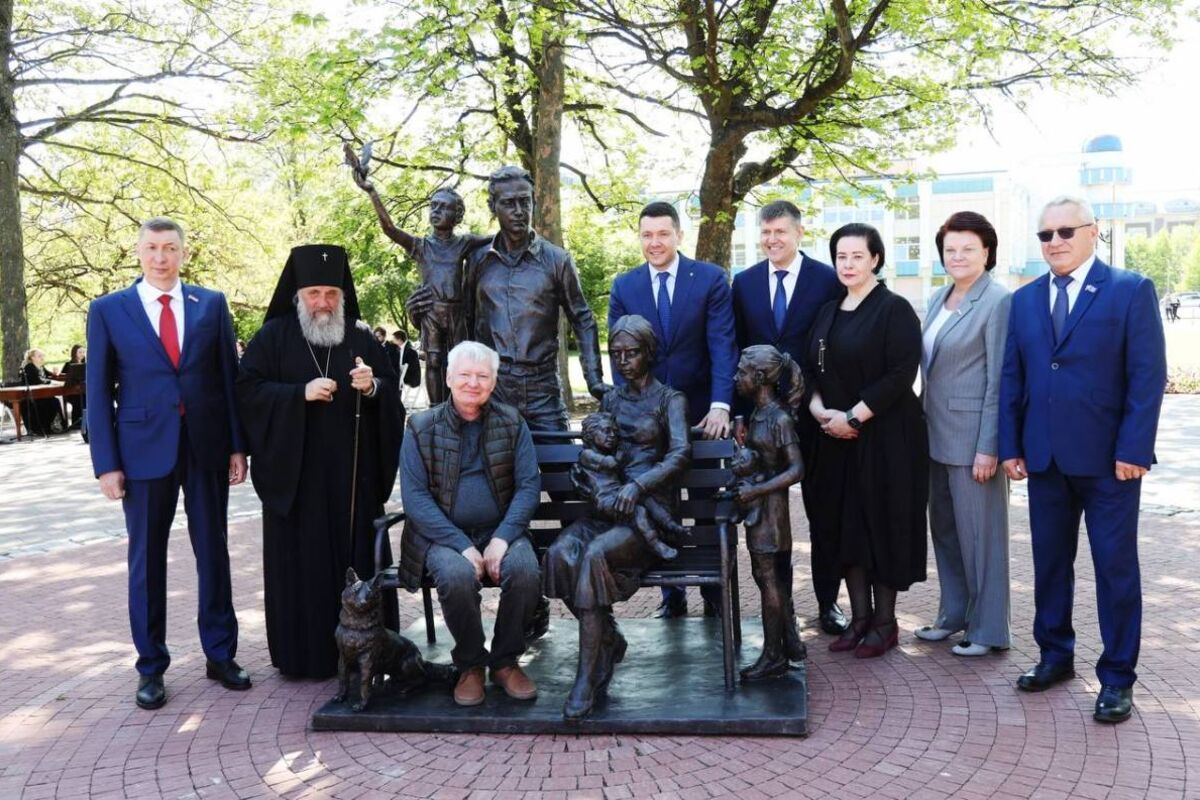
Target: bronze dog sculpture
<point>366,646</point>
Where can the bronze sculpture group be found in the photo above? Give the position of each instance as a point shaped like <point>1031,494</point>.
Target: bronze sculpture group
<point>635,450</point>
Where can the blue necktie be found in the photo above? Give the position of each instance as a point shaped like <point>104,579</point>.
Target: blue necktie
<point>664,304</point>
<point>779,306</point>
<point>1058,314</point>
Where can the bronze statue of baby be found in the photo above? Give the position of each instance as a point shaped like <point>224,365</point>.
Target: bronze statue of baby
<point>598,477</point>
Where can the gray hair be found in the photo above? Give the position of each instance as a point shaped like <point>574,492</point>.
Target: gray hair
<point>474,352</point>
<point>779,208</point>
<point>1085,208</point>
<point>323,330</point>
<point>159,224</point>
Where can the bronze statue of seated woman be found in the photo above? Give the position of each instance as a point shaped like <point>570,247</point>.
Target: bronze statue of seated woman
<point>596,563</point>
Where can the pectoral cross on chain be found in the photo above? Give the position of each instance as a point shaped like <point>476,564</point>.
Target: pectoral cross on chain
<point>324,256</point>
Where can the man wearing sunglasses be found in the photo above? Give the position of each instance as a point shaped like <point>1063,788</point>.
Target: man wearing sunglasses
<point>1084,373</point>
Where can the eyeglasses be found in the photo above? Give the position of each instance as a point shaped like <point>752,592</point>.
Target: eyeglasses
<point>1063,233</point>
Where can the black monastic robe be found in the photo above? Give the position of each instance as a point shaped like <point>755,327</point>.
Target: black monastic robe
<point>301,464</point>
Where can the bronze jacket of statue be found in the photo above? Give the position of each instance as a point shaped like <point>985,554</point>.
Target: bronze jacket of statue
<point>514,305</point>
<point>437,432</point>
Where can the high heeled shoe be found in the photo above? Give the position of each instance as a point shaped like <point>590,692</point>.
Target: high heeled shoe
<point>867,649</point>
<point>852,636</point>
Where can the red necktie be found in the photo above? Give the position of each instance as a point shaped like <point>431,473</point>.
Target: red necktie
<point>167,331</point>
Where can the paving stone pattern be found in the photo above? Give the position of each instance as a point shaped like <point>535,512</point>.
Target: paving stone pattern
<point>917,723</point>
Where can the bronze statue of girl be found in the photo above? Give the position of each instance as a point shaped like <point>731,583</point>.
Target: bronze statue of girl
<point>771,433</point>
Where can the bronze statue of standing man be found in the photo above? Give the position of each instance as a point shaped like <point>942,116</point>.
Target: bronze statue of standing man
<point>514,289</point>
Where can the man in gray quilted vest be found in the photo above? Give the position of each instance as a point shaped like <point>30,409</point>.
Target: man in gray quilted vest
<point>469,479</point>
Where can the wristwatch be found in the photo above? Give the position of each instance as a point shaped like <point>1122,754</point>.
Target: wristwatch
<point>853,421</point>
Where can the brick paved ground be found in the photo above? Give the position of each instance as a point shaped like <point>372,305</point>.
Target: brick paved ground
<point>917,723</point>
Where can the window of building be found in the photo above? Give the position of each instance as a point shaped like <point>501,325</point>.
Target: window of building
<point>908,248</point>
<point>739,254</point>
<point>911,208</point>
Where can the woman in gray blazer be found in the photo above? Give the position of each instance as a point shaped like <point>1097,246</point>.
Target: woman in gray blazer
<point>964,335</point>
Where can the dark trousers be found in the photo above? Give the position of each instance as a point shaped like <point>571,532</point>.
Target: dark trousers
<point>826,571</point>
<point>458,594</point>
<point>535,393</point>
<point>1110,508</point>
<point>149,511</point>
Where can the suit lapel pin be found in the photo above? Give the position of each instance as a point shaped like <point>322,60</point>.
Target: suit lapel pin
<point>192,297</point>
<point>1090,288</point>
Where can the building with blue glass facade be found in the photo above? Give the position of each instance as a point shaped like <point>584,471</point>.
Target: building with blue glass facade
<point>1010,199</point>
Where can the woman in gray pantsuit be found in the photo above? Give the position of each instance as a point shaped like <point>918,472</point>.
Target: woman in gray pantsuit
<point>964,336</point>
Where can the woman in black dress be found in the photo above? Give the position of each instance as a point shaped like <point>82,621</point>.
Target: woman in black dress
<point>44,415</point>
<point>870,466</point>
<point>593,563</point>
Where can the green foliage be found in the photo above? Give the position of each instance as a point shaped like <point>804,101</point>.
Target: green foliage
<point>119,112</point>
<point>603,247</point>
<point>1191,279</point>
<point>1169,257</point>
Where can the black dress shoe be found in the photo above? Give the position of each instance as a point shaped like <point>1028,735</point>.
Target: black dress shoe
<point>671,608</point>
<point>1044,675</point>
<point>833,620</point>
<point>229,674</point>
<point>150,692</point>
<point>1113,704</point>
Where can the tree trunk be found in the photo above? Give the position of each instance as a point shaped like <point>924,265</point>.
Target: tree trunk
<point>547,146</point>
<point>717,203</point>
<point>13,319</point>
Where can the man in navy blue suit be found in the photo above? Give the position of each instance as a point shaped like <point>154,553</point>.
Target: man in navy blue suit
<point>169,349</point>
<point>688,302</point>
<point>775,302</point>
<point>1084,373</point>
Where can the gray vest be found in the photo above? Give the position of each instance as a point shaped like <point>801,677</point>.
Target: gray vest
<point>438,433</point>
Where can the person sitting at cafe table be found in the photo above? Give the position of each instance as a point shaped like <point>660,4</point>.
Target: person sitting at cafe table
<point>42,415</point>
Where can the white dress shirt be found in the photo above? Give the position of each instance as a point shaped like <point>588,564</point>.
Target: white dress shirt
<point>789,280</point>
<point>1079,277</point>
<point>935,326</point>
<point>149,296</point>
<point>672,270</point>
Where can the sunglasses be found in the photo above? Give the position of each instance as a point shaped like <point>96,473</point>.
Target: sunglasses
<point>1063,233</point>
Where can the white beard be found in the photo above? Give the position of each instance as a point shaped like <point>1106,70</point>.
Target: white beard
<point>323,329</point>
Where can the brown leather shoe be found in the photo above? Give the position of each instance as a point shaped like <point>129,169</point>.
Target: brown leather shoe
<point>469,690</point>
<point>514,682</point>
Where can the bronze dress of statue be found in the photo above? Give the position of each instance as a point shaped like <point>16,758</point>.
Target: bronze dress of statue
<point>771,434</point>
<point>595,563</point>
<point>598,477</point>
<point>436,306</point>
